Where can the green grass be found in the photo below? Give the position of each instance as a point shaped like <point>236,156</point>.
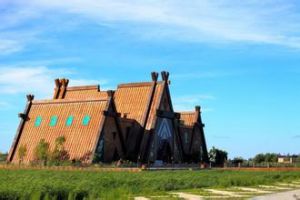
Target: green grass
<point>47,184</point>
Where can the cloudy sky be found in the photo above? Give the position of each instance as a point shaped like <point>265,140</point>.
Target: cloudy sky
<point>239,60</point>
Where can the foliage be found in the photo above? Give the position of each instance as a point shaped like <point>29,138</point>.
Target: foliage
<point>59,155</point>
<point>259,158</point>
<point>268,157</point>
<point>22,151</point>
<point>50,184</point>
<point>41,152</point>
<point>298,159</point>
<point>237,160</point>
<point>3,157</point>
<point>217,157</point>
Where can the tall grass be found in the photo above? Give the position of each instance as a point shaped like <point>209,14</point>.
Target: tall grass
<point>69,185</point>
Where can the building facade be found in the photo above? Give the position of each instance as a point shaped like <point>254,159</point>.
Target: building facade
<point>135,122</point>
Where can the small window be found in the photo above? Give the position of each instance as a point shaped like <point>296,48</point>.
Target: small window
<point>186,137</point>
<point>69,120</point>
<point>86,120</point>
<point>53,121</point>
<point>38,121</point>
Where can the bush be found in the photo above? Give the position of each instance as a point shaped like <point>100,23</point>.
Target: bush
<point>217,157</point>
<point>268,157</point>
<point>22,153</point>
<point>41,152</point>
<point>3,157</point>
<point>59,156</point>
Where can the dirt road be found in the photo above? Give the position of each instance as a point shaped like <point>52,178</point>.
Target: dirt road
<point>288,195</point>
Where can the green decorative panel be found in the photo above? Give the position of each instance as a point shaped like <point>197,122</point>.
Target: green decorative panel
<point>86,120</point>
<point>53,121</point>
<point>69,120</point>
<point>38,121</point>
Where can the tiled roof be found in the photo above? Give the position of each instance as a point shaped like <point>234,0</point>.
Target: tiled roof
<point>133,100</point>
<point>188,118</point>
<point>155,104</point>
<point>80,139</point>
<point>84,92</point>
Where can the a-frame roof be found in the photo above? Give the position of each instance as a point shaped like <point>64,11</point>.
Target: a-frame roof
<point>139,101</point>
<point>81,139</point>
<point>189,118</point>
<point>132,100</point>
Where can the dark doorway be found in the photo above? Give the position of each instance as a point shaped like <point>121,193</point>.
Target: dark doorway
<point>164,151</point>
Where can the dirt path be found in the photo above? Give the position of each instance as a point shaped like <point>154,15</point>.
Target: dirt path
<point>289,195</point>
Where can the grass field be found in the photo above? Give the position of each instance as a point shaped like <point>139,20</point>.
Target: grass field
<point>49,184</point>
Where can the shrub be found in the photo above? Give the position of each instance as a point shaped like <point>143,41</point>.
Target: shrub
<point>41,152</point>
<point>59,155</point>
<point>3,157</point>
<point>22,151</point>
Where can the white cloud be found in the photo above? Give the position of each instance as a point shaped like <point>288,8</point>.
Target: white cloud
<point>35,80</point>
<point>270,22</point>
<point>4,105</point>
<point>9,46</point>
<point>25,23</point>
<point>188,102</point>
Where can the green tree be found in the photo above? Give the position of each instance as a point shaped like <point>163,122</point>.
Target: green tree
<point>3,156</point>
<point>268,157</point>
<point>41,151</point>
<point>238,160</point>
<point>217,157</point>
<point>22,151</point>
<point>259,158</point>
<point>298,159</point>
<point>271,157</point>
<point>59,153</point>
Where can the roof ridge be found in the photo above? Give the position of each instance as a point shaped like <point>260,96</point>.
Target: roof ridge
<point>187,112</point>
<point>84,87</point>
<point>136,84</point>
<point>57,101</point>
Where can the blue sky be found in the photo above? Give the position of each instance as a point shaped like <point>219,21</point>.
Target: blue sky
<point>239,60</point>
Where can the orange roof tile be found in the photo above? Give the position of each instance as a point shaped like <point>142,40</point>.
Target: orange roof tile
<point>133,100</point>
<point>188,118</point>
<point>80,139</point>
<point>155,104</point>
<point>84,92</point>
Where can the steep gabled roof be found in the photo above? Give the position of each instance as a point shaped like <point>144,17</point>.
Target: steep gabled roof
<point>134,100</point>
<point>84,92</point>
<point>155,103</point>
<point>80,140</point>
<point>63,91</point>
<point>188,118</point>
<point>77,102</point>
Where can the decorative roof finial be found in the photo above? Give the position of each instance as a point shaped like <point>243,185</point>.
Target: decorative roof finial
<point>165,75</point>
<point>30,97</point>
<point>154,76</point>
<point>198,108</point>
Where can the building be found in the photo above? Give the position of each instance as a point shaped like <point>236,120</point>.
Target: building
<point>287,159</point>
<point>135,122</point>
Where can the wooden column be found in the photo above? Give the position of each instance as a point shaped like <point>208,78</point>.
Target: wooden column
<point>23,116</point>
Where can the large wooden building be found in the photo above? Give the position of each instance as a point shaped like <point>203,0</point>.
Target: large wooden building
<point>135,122</point>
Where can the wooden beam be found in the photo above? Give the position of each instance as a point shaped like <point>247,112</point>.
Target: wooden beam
<point>24,115</point>
<point>111,114</point>
<point>167,114</point>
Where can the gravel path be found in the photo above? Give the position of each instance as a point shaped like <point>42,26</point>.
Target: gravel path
<point>289,195</point>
